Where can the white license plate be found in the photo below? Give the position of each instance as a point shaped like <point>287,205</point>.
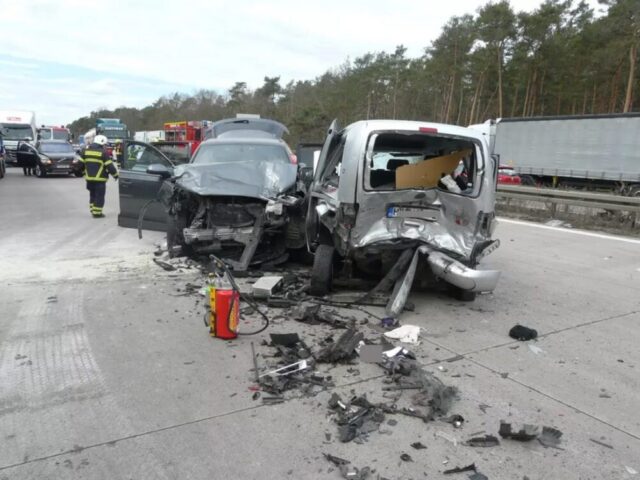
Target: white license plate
<point>412,212</point>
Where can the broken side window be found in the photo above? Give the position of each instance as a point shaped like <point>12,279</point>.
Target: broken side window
<point>331,174</point>
<point>400,161</point>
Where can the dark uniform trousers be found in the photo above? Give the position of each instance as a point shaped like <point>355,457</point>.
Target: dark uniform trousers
<point>97,168</point>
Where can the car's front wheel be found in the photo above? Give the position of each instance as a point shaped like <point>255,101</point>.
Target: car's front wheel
<point>40,172</point>
<point>322,272</point>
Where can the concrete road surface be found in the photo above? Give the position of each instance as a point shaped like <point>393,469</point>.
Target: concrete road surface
<point>107,371</point>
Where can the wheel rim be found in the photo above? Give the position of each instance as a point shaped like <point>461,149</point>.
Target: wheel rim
<point>38,171</point>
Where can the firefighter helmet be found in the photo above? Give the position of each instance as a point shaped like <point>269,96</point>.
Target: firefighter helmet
<point>100,140</point>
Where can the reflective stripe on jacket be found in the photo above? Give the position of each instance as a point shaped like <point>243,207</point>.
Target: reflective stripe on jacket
<point>97,165</point>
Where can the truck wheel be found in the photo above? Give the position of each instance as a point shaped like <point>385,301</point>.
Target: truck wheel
<point>40,172</point>
<point>322,272</point>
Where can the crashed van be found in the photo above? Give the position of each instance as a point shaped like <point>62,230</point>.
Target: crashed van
<point>403,200</point>
<point>239,197</point>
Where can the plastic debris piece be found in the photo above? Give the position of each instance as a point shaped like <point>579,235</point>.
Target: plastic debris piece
<point>630,470</point>
<point>418,445</point>
<point>522,333</point>
<point>536,350</point>
<point>405,457</point>
<point>264,286</point>
<point>550,437</point>
<point>455,420</point>
<point>405,333</point>
<point>478,476</point>
<point>285,339</point>
<point>447,437</point>
<point>468,468</point>
<point>486,441</point>
<point>388,322</point>
<point>164,265</point>
<point>337,461</point>
<point>525,434</point>
<point>594,440</point>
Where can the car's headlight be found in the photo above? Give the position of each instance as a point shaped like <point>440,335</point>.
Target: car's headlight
<point>45,160</point>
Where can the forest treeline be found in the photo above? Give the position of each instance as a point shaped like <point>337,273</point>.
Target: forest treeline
<point>559,59</point>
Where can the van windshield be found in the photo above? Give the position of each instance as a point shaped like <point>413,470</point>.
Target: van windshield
<point>17,131</point>
<point>60,135</point>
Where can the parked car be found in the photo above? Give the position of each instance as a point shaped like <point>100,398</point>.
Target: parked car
<point>508,176</point>
<point>50,157</point>
<point>383,187</point>
<point>3,158</point>
<point>239,196</point>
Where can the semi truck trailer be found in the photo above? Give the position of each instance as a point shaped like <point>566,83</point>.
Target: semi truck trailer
<point>595,152</point>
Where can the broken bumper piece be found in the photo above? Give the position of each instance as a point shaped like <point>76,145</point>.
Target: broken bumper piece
<point>455,273</point>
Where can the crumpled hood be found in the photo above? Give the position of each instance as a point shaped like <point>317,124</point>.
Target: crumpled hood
<point>244,179</point>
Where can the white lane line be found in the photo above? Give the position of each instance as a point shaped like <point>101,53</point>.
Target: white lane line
<point>570,230</point>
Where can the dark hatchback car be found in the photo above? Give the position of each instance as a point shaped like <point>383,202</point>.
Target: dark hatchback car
<point>239,197</point>
<point>55,157</point>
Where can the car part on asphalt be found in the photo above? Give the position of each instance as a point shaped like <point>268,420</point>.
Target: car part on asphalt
<point>468,468</point>
<point>520,332</point>
<point>486,441</point>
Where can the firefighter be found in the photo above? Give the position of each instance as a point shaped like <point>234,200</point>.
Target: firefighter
<point>97,167</point>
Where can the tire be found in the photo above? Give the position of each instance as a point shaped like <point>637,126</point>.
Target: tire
<point>40,172</point>
<point>462,295</point>
<point>174,236</point>
<point>322,272</point>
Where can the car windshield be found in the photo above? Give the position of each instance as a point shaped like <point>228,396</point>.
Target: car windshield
<point>238,152</point>
<point>178,153</point>
<point>50,147</point>
<point>60,135</point>
<point>17,131</point>
<point>113,132</point>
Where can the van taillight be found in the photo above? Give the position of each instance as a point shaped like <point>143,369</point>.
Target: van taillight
<point>428,130</point>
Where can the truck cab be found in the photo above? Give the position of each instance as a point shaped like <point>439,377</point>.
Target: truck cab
<point>17,126</point>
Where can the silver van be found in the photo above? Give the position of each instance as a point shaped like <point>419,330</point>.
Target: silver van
<point>403,200</point>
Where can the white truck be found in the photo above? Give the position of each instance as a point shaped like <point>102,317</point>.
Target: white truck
<point>17,126</point>
<point>149,136</point>
<point>587,151</point>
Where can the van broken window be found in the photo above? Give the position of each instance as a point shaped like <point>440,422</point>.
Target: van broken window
<point>401,161</point>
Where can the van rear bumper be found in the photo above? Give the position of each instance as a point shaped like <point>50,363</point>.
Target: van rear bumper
<point>466,278</point>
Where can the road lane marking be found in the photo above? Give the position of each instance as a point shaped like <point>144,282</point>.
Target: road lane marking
<point>569,230</point>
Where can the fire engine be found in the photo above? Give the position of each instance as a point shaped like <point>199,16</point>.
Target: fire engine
<point>186,131</point>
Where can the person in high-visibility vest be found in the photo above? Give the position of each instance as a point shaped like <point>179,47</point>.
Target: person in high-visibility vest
<point>97,167</point>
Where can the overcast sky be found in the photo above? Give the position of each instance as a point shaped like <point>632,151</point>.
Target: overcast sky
<point>65,58</point>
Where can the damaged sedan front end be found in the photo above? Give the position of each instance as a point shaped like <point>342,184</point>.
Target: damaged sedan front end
<point>240,199</point>
<point>384,186</point>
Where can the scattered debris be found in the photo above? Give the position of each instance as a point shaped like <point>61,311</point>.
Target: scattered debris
<point>455,420</point>
<point>346,470</point>
<point>356,418</point>
<point>405,457</point>
<point>478,476</point>
<point>525,434</point>
<point>468,468</point>
<point>550,437</point>
<point>314,314</point>
<point>601,443</point>
<point>166,266</point>
<point>630,470</point>
<point>343,349</point>
<point>535,349</point>
<point>405,333</point>
<point>418,446</point>
<point>522,333</point>
<point>265,286</point>
<point>486,441</point>
<point>388,322</point>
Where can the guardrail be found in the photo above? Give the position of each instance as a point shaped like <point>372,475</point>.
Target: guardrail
<point>572,198</point>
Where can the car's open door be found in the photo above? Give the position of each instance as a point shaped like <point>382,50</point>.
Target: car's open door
<point>143,169</point>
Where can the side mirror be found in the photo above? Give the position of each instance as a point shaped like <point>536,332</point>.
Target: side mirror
<point>159,169</point>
